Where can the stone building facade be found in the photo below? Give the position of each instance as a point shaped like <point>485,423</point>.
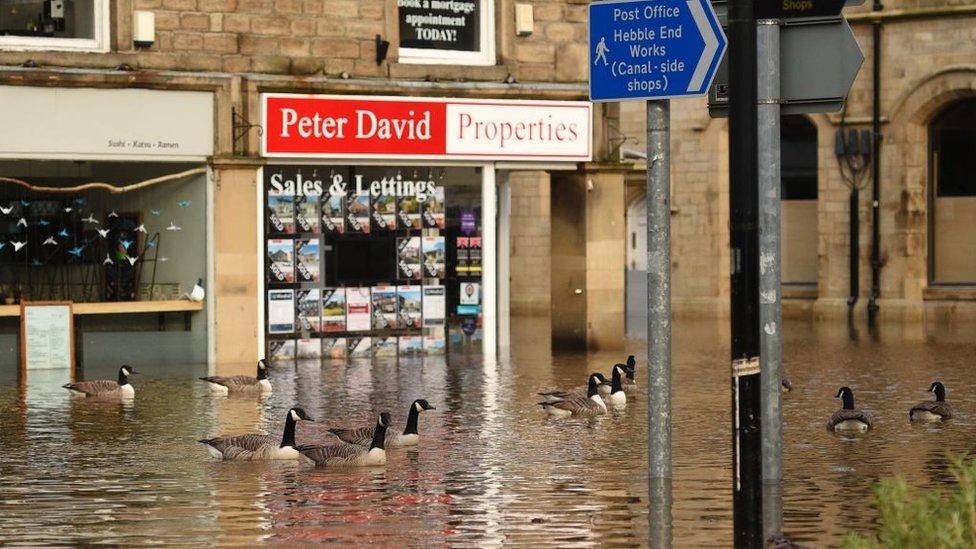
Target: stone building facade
<point>926,232</point>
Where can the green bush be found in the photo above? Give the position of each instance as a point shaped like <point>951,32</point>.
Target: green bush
<point>936,519</point>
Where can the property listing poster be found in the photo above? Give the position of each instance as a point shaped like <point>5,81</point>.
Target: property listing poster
<point>408,212</point>
<point>462,266</point>
<point>281,261</point>
<point>308,259</point>
<point>358,309</point>
<point>308,348</point>
<point>384,307</point>
<point>281,311</point>
<point>309,317</point>
<point>434,258</point>
<point>411,307</point>
<point>281,212</point>
<point>408,258</point>
<point>282,350</point>
<point>334,310</point>
<point>307,213</point>
<point>359,347</point>
<point>384,212</point>
<point>433,208</point>
<point>333,214</point>
<point>385,347</point>
<point>434,306</point>
<point>411,345</point>
<point>334,347</point>
<point>357,213</point>
<point>474,255</point>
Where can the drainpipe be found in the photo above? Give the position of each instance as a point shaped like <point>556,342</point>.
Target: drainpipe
<point>876,166</point>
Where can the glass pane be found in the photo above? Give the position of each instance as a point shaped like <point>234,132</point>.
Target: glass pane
<point>441,24</point>
<point>52,19</point>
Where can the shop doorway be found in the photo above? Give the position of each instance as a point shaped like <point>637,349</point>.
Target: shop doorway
<point>636,272</point>
<point>798,223</point>
<point>952,198</point>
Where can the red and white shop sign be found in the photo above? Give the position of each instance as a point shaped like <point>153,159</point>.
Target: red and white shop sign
<point>343,126</point>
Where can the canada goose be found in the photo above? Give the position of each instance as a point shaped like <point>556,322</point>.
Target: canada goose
<point>618,397</point>
<point>342,454</point>
<point>932,410</point>
<point>628,382</point>
<point>197,293</point>
<point>581,391</point>
<point>241,384</point>
<point>363,436</point>
<point>105,387</point>
<point>258,447</point>
<point>848,418</point>
<point>577,405</point>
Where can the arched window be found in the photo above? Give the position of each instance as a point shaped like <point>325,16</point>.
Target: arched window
<point>798,159</point>
<point>952,198</point>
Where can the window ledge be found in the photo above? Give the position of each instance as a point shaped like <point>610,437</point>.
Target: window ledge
<point>950,293</point>
<point>799,291</point>
<point>477,73</point>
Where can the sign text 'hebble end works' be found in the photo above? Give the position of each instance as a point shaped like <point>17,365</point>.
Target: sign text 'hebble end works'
<point>643,49</point>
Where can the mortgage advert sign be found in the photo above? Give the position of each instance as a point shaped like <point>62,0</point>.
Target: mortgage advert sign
<point>342,126</point>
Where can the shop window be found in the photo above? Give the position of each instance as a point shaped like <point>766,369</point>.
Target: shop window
<point>372,261</point>
<point>952,134</point>
<point>798,164</point>
<point>62,25</point>
<point>447,31</point>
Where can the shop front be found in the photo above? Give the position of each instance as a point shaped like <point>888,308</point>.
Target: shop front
<point>104,205</point>
<point>381,219</point>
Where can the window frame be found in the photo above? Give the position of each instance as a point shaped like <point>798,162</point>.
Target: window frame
<point>484,57</point>
<point>99,43</point>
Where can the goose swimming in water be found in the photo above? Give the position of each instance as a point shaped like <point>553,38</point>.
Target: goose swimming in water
<point>630,386</point>
<point>932,410</point>
<point>105,387</point>
<point>581,391</point>
<point>618,397</point>
<point>342,454</point>
<point>241,384</point>
<point>848,418</point>
<point>578,405</point>
<point>254,447</point>
<point>787,386</point>
<point>363,436</point>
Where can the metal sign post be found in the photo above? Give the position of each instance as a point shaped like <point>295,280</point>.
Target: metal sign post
<point>655,50</point>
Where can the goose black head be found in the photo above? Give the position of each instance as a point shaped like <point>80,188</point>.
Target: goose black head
<point>298,414</point>
<point>939,389</point>
<point>200,282</point>
<point>421,404</point>
<point>262,369</point>
<point>124,372</point>
<point>848,395</point>
<point>631,362</point>
<point>385,420</point>
<point>596,379</point>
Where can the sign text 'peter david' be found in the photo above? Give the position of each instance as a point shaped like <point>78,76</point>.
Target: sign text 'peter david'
<point>330,126</point>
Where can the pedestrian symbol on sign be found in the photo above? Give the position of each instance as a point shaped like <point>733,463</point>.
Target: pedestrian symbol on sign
<point>601,51</point>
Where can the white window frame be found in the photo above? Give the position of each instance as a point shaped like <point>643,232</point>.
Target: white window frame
<point>484,57</point>
<point>99,43</point>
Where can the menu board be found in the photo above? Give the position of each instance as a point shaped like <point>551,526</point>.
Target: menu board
<point>47,336</point>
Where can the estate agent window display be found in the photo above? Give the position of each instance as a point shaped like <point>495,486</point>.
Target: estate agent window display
<point>370,261</point>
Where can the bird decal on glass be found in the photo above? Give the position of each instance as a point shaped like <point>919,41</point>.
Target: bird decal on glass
<point>113,214</point>
<point>173,227</point>
<point>63,233</point>
<point>7,210</point>
<point>36,263</point>
<point>76,251</point>
<point>125,243</point>
<point>102,232</point>
<point>132,260</point>
<point>25,203</point>
<point>183,203</point>
<point>141,229</point>
<point>50,242</point>
<point>150,244</point>
<point>68,209</point>
<point>43,223</point>
<point>156,213</point>
<point>22,221</point>
<point>163,259</point>
<point>18,245</point>
<point>108,260</point>
<point>91,219</point>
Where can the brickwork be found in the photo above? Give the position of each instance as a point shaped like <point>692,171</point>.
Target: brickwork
<point>530,244</point>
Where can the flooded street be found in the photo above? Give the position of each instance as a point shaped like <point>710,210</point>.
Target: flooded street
<point>491,468</point>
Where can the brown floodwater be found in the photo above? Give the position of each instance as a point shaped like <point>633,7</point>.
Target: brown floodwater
<point>491,469</point>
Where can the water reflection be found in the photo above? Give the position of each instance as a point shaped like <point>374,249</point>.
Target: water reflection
<point>491,467</point>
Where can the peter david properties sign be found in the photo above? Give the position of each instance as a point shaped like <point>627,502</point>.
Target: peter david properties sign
<point>376,127</point>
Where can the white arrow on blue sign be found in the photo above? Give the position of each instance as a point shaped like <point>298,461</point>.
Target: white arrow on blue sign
<point>653,49</point>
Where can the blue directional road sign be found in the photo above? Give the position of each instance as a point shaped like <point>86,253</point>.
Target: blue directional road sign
<point>653,49</point>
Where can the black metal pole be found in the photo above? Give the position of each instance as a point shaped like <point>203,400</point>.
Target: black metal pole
<point>744,273</point>
<point>855,245</point>
<point>875,167</point>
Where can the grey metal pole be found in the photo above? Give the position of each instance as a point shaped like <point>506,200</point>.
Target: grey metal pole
<point>770,310</point>
<point>659,320</point>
